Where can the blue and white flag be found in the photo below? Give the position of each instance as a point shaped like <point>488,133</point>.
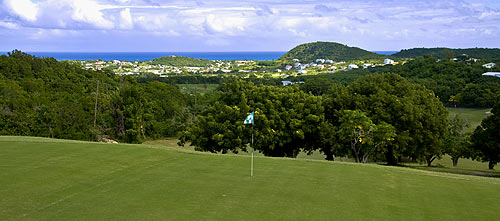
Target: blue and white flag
<point>249,119</point>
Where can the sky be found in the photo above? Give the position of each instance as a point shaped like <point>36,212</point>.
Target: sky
<point>262,25</point>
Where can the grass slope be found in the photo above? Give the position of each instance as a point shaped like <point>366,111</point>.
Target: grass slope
<point>48,179</point>
<point>473,115</point>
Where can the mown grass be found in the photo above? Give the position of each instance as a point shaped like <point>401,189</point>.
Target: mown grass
<point>47,179</point>
<point>474,116</point>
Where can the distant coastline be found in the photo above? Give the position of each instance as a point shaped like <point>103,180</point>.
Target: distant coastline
<point>144,56</point>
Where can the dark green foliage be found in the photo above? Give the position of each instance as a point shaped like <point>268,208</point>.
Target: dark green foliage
<point>486,138</point>
<point>453,82</point>
<point>309,52</point>
<point>44,97</point>
<point>446,53</point>
<point>178,61</point>
<point>287,120</point>
<point>416,114</point>
<point>317,86</point>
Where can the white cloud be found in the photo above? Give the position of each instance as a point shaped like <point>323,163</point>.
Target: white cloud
<point>9,25</point>
<point>126,19</point>
<point>223,22</point>
<point>88,11</point>
<point>25,9</point>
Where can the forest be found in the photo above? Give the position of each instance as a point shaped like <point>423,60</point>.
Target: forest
<point>444,53</point>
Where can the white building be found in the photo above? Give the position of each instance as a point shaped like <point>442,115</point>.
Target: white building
<point>329,61</point>
<point>489,65</point>
<point>367,65</point>
<point>352,66</point>
<point>302,71</point>
<point>388,61</point>
<point>288,67</point>
<point>494,74</point>
<point>320,60</point>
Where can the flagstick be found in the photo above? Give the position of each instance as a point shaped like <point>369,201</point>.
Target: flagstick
<point>251,167</point>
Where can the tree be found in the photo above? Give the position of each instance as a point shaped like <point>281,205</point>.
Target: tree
<point>417,115</point>
<point>287,120</point>
<point>357,128</point>
<point>317,86</point>
<point>486,138</point>
<point>456,140</point>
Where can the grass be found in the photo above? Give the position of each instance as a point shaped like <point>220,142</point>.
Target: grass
<point>46,179</point>
<point>473,115</point>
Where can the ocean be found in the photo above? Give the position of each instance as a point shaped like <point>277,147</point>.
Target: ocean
<point>144,56</point>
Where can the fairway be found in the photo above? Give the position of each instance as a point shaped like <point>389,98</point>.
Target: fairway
<point>47,179</point>
<point>474,116</point>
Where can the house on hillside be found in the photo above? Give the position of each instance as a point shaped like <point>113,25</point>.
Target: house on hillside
<point>288,67</point>
<point>302,71</point>
<point>388,61</point>
<point>286,83</point>
<point>352,66</point>
<point>489,65</point>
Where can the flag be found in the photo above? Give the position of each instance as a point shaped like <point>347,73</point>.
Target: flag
<point>249,119</point>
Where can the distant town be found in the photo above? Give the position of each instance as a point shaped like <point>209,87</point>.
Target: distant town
<point>216,67</point>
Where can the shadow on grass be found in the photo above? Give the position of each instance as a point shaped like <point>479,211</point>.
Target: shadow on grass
<point>443,169</point>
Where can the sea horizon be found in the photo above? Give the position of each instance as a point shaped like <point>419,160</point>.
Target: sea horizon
<point>145,56</point>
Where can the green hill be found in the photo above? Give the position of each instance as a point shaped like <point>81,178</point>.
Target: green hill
<point>309,52</point>
<point>479,53</point>
<point>48,179</point>
<point>178,61</point>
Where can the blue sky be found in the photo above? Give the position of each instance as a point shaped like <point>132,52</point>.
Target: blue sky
<point>263,25</point>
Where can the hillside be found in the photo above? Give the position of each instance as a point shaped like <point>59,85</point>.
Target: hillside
<point>441,53</point>
<point>309,52</point>
<point>48,179</point>
<point>50,98</point>
<point>178,61</point>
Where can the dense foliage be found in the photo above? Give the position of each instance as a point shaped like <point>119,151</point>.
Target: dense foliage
<point>401,119</point>
<point>178,61</point>
<point>45,97</point>
<point>443,53</point>
<point>287,120</point>
<point>416,114</point>
<point>486,138</point>
<point>309,52</point>
<point>453,82</point>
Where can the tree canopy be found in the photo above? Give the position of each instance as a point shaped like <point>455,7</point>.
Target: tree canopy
<point>486,138</point>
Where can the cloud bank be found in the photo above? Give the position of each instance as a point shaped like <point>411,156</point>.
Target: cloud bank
<point>151,25</point>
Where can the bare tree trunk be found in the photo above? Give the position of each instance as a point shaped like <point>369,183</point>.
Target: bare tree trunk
<point>491,165</point>
<point>389,156</point>
<point>429,160</point>
<point>455,161</point>
<point>355,153</point>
